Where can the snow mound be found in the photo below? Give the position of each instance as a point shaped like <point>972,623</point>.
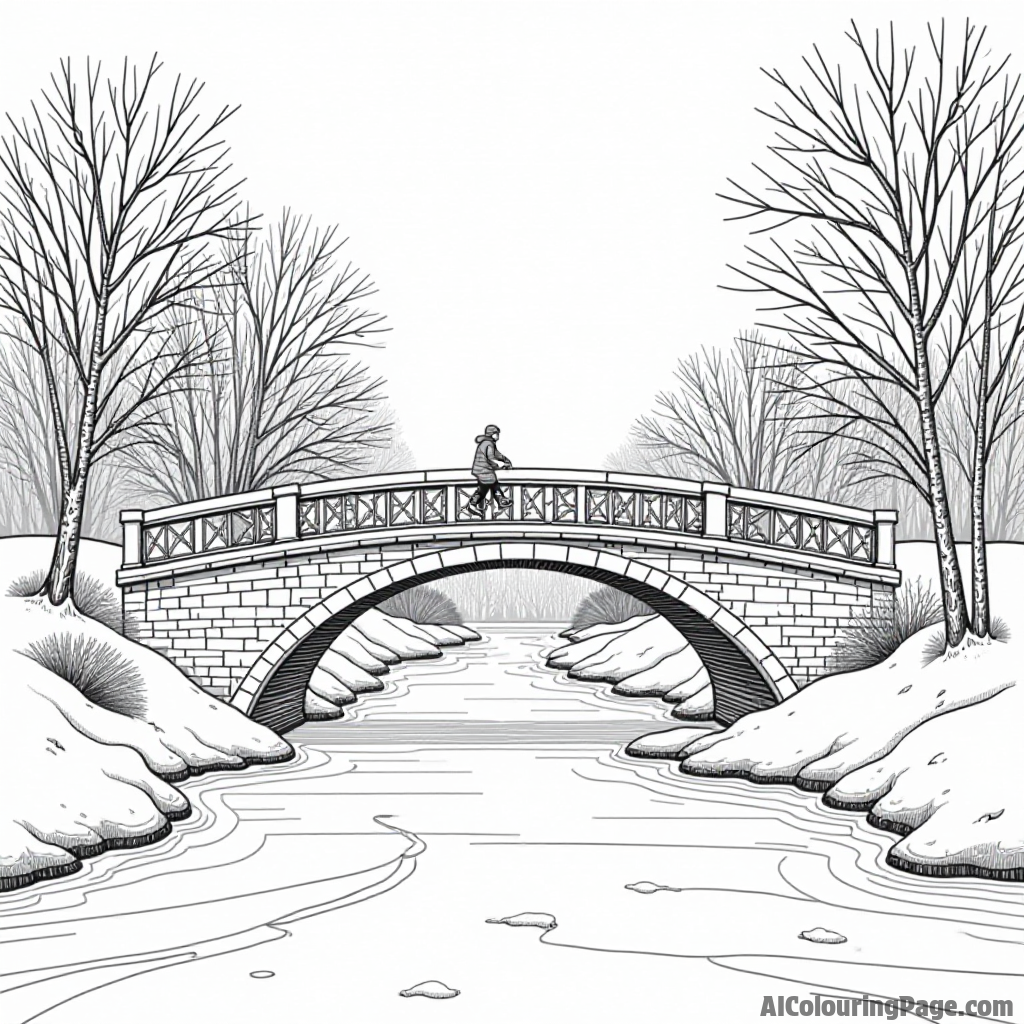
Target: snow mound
<point>688,687</point>
<point>465,632</point>
<point>383,654</point>
<point>316,709</point>
<point>570,654</point>
<point>666,744</point>
<point>347,675</point>
<point>395,634</point>
<point>629,653</point>
<point>440,635</point>
<point>674,678</point>
<point>348,646</point>
<point>699,707</point>
<point>326,695</point>
<point>598,628</point>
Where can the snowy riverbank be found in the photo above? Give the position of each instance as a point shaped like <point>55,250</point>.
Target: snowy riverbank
<point>95,728</point>
<point>512,777</point>
<point>929,750</point>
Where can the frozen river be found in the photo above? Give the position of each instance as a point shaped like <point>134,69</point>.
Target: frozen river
<point>479,786</point>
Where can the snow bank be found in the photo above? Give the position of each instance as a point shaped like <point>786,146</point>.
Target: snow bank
<point>465,632</point>
<point>929,751</point>
<point>379,651</point>
<point>646,656</point>
<point>633,651</point>
<point>349,675</point>
<point>952,789</point>
<point>699,707</point>
<point>599,628</point>
<point>666,744</point>
<point>94,765</point>
<point>571,654</point>
<point>92,777</point>
<point>348,646</point>
<point>440,635</point>
<point>674,678</point>
<point>843,722</point>
<point>392,632</point>
<point>364,651</point>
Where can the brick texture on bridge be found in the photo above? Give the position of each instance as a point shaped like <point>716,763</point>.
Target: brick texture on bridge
<point>216,623</point>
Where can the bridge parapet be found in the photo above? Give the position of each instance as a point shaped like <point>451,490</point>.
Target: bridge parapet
<point>646,508</point>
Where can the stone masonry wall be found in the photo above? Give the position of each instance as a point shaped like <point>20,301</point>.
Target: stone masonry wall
<point>215,624</point>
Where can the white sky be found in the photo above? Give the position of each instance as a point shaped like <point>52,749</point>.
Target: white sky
<point>530,183</point>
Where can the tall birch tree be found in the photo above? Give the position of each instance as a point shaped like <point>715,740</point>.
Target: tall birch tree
<point>879,179</point>
<point>112,195</point>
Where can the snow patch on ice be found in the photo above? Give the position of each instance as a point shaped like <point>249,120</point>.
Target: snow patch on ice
<point>529,920</point>
<point>431,990</point>
<point>823,935</point>
<point>646,888</point>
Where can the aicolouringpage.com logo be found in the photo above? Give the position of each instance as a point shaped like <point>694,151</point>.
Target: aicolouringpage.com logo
<point>889,1009</point>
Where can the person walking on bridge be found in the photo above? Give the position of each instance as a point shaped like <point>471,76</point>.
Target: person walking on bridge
<point>486,460</point>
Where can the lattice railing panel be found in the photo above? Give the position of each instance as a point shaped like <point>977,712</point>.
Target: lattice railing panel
<point>800,531</point>
<point>437,505</point>
<point>563,504</point>
<point>534,504</point>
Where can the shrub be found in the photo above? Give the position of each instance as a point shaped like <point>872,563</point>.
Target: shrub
<point>872,638</point>
<point>92,598</point>
<point>516,595</point>
<point>423,604</point>
<point>607,605</point>
<point>97,670</point>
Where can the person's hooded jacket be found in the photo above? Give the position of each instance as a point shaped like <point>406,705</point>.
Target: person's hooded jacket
<point>487,459</point>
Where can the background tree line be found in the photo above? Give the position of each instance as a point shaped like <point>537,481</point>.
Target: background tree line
<point>886,240</point>
<point>158,341</point>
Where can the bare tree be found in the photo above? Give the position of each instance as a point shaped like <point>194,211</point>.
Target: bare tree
<point>882,178</point>
<point>388,452</point>
<point>732,418</point>
<point>724,420</point>
<point>998,393</point>
<point>276,394</point>
<point>310,402</point>
<point>29,465</point>
<point>111,197</point>
<point>986,392</point>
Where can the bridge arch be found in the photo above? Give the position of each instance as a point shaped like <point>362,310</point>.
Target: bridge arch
<point>745,674</point>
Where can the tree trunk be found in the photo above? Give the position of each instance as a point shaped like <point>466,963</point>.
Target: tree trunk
<point>979,556</point>
<point>953,598</point>
<point>61,577</point>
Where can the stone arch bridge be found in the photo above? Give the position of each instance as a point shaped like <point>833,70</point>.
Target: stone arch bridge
<point>246,592</point>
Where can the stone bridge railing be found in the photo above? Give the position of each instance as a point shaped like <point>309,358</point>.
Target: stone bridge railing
<point>561,502</point>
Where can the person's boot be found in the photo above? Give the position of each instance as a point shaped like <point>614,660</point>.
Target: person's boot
<point>474,509</point>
